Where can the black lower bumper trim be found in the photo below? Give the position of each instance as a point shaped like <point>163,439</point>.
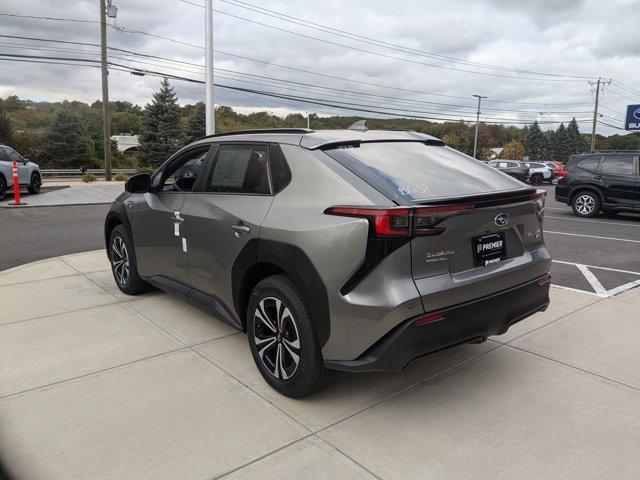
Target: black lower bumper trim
<point>472,321</point>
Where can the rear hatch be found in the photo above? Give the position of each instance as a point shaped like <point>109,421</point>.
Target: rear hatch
<point>468,221</point>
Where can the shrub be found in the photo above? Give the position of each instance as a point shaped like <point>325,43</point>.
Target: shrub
<point>120,177</point>
<point>88,177</point>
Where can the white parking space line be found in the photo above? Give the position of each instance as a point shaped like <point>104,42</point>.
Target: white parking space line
<point>593,281</point>
<point>577,290</point>
<point>594,221</point>
<point>593,236</point>
<point>599,268</point>
<point>566,209</point>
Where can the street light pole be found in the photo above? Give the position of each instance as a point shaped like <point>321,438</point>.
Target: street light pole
<point>210,116</point>
<point>106,129</point>
<point>475,139</point>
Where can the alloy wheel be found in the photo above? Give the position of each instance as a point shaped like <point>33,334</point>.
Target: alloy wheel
<point>276,338</point>
<point>120,260</point>
<point>585,204</point>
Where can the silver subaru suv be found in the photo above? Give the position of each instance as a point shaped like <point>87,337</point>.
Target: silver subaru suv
<point>335,249</point>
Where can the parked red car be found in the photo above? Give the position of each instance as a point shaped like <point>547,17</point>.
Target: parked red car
<point>558,169</point>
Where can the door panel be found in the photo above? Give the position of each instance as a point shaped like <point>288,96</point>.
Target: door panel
<point>159,251</point>
<point>219,226</point>
<point>617,175</point>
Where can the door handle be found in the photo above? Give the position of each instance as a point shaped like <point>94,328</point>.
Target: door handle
<point>177,218</point>
<point>240,229</point>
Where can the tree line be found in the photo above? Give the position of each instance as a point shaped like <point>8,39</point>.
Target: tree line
<point>69,134</point>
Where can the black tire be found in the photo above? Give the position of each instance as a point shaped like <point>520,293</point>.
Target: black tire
<point>123,263</point>
<point>586,203</point>
<point>536,179</point>
<point>3,188</point>
<point>34,184</point>
<point>294,336</point>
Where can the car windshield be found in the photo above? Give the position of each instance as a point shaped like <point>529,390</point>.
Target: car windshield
<point>414,172</point>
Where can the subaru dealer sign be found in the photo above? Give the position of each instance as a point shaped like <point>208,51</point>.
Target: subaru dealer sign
<point>633,118</point>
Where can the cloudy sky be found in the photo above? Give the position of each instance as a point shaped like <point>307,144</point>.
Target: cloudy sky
<point>532,59</point>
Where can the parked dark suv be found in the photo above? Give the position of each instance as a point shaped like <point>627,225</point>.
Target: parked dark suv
<point>513,168</point>
<point>606,181</point>
<point>335,249</point>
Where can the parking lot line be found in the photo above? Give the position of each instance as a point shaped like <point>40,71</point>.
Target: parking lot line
<point>577,290</point>
<point>593,281</point>
<point>593,236</point>
<point>600,268</point>
<point>594,221</point>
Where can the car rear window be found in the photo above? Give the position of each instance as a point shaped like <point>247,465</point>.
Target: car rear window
<point>414,172</point>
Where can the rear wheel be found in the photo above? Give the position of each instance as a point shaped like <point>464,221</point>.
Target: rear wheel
<point>3,188</point>
<point>283,340</point>
<point>536,179</point>
<point>586,204</point>
<point>123,264</point>
<point>34,184</point>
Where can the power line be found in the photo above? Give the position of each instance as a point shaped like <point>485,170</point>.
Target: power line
<point>264,62</point>
<point>34,17</point>
<point>626,87</point>
<point>623,96</point>
<point>609,125</point>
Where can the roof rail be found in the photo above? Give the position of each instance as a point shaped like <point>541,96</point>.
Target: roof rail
<point>258,131</point>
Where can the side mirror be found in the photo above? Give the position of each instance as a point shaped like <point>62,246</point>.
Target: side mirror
<point>140,183</point>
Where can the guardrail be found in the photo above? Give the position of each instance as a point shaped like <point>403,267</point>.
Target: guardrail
<point>82,171</point>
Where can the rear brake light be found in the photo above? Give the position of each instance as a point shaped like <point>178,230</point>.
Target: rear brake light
<point>392,221</point>
<point>539,198</point>
<point>402,222</point>
<point>433,317</point>
<point>544,280</point>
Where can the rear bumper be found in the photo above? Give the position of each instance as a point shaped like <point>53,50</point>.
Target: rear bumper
<point>562,199</point>
<point>472,321</point>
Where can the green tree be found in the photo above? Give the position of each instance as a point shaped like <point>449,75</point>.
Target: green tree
<point>6,132</point>
<point>161,133</point>
<point>575,142</point>
<point>65,142</point>
<point>560,146</point>
<point>128,121</point>
<point>196,127</point>
<point>536,143</point>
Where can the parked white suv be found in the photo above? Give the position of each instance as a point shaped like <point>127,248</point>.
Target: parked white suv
<point>29,173</point>
<point>539,172</point>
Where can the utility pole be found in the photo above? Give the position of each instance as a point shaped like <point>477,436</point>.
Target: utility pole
<point>106,127</point>
<point>475,139</point>
<point>210,116</point>
<point>599,84</point>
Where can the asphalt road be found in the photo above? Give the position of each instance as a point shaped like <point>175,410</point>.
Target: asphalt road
<point>30,234</point>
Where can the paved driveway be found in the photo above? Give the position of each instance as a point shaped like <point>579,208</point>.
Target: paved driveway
<point>97,385</point>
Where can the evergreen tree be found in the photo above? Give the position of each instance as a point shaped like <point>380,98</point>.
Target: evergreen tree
<point>560,145</point>
<point>536,143</point>
<point>6,133</point>
<point>161,133</point>
<point>575,142</point>
<point>196,128</point>
<point>65,143</point>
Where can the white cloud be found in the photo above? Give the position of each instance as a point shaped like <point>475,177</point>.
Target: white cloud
<point>587,38</point>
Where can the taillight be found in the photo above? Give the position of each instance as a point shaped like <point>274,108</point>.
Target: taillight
<point>402,222</point>
<point>385,222</point>
<point>432,317</point>
<point>539,198</point>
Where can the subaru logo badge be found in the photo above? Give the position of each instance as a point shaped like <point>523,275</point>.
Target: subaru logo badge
<point>502,219</point>
<point>636,113</point>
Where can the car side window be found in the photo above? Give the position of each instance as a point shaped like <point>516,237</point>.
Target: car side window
<point>13,155</point>
<point>4,155</point>
<point>619,164</point>
<point>240,169</point>
<point>280,173</point>
<point>590,163</point>
<point>502,165</point>
<point>181,175</point>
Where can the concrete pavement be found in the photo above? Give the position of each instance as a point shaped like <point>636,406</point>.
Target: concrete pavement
<point>77,193</point>
<point>95,384</point>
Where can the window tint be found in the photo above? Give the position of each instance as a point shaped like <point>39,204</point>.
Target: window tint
<point>280,173</point>
<point>589,163</point>
<point>181,176</point>
<point>4,155</point>
<point>14,156</point>
<point>413,171</point>
<point>621,164</point>
<point>240,169</point>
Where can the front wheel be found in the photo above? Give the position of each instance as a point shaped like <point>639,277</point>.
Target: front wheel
<point>3,188</point>
<point>536,179</point>
<point>34,184</point>
<point>586,204</point>
<point>123,263</point>
<point>283,339</point>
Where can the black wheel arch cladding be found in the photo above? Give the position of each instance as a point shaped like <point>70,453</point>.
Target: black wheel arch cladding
<point>293,262</point>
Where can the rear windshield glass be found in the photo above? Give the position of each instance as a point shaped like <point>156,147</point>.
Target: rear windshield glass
<point>413,172</point>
